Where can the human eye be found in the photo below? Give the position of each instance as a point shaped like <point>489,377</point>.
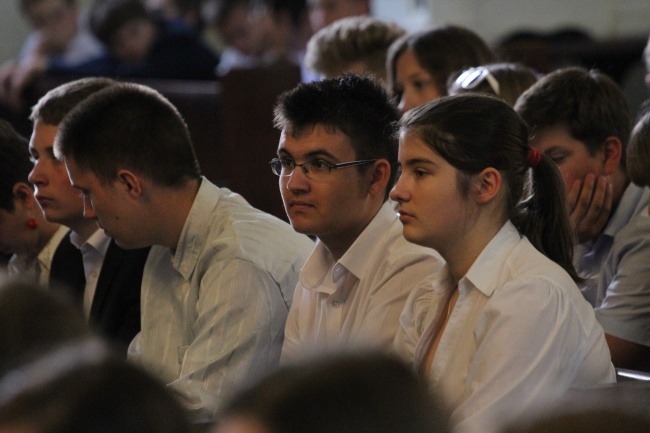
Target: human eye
<point>419,84</point>
<point>558,158</point>
<point>420,172</point>
<point>286,163</point>
<point>319,165</point>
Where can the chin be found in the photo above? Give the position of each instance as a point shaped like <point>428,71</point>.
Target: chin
<point>123,245</point>
<point>300,225</point>
<point>415,238</point>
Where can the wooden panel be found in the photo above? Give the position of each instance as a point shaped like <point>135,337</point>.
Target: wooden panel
<point>249,139</point>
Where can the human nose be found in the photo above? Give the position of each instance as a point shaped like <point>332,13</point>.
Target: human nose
<point>36,176</point>
<point>297,180</point>
<point>406,102</point>
<point>399,193</point>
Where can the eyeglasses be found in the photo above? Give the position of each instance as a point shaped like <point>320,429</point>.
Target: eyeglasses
<point>315,169</point>
<point>472,77</point>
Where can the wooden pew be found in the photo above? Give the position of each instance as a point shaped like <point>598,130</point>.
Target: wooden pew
<point>249,139</point>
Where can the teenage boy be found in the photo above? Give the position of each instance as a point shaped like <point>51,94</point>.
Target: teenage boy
<point>220,274</point>
<point>580,119</point>
<point>337,160</point>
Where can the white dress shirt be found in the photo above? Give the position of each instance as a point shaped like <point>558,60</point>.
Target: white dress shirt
<point>213,311</point>
<point>356,302</point>
<point>37,268</point>
<point>520,335</point>
<point>93,251</point>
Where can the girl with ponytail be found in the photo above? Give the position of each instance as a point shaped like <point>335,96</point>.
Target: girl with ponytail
<point>504,328</point>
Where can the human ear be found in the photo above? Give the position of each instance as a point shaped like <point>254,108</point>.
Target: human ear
<point>130,182</point>
<point>24,194</point>
<point>487,185</point>
<point>612,151</point>
<point>380,173</point>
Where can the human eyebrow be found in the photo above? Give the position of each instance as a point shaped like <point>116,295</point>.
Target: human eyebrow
<point>320,153</point>
<point>314,154</point>
<point>418,161</point>
<point>283,153</point>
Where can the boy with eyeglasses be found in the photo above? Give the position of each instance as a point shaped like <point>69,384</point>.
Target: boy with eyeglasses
<point>337,160</point>
<point>220,274</point>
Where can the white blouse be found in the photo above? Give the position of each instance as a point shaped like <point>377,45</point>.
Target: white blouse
<point>520,335</point>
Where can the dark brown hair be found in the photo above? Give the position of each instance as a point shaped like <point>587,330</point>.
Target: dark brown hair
<point>474,132</point>
<point>440,51</point>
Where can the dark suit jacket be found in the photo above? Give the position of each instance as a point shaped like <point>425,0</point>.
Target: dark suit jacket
<point>115,312</point>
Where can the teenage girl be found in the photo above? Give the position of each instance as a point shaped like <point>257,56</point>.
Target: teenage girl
<point>504,328</point>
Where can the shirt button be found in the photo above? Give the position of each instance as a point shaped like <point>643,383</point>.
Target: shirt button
<point>336,303</point>
<point>93,274</point>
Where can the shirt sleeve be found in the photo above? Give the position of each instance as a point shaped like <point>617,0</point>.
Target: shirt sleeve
<point>238,328</point>
<point>418,311</point>
<point>388,300</point>
<point>624,311</point>
<point>291,344</point>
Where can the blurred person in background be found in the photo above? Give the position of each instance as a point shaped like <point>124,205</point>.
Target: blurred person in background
<point>506,81</point>
<point>60,38</point>
<point>355,44</point>
<point>419,64</point>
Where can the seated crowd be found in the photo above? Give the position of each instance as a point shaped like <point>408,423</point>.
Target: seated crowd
<point>463,247</point>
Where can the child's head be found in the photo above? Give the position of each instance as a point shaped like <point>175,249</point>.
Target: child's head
<point>125,27</point>
<point>589,104</point>
<point>354,44</point>
<point>420,63</point>
<point>486,143</point>
<point>504,80</point>
<point>54,20</point>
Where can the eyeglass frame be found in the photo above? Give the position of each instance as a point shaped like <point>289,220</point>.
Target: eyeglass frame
<point>305,171</point>
<point>471,78</point>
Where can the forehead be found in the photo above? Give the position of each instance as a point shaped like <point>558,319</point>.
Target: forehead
<point>318,138</point>
<point>411,143</point>
<point>81,178</point>
<point>45,6</point>
<point>43,135</point>
<point>407,63</point>
<point>555,137</point>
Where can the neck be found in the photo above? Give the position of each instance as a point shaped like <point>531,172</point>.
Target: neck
<point>47,231</point>
<point>338,243</point>
<point>171,219</point>
<point>84,228</point>
<point>461,255</point>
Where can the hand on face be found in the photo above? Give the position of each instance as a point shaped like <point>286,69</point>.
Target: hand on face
<point>590,205</point>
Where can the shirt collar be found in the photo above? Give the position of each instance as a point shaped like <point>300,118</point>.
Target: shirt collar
<point>194,234</point>
<point>321,261</point>
<point>634,199</point>
<point>357,256</point>
<point>98,241</point>
<point>47,253</point>
<point>483,274</point>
